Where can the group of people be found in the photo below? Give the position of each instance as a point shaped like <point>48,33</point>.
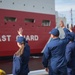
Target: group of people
<point>58,56</point>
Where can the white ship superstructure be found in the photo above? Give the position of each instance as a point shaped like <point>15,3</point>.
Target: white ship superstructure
<point>38,6</point>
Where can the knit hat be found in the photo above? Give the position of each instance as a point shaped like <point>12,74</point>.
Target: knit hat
<point>55,32</point>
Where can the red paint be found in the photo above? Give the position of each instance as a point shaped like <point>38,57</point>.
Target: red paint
<point>73,29</point>
<point>8,48</point>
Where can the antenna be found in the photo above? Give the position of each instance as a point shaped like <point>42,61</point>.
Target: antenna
<point>71,18</point>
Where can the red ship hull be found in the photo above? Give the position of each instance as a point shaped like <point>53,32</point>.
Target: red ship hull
<point>36,34</point>
<point>73,28</point>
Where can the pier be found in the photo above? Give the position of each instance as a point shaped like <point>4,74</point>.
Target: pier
<point>35,66</point>
<point>36,72</point>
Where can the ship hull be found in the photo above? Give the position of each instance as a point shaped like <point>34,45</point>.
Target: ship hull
<point>36,34</point>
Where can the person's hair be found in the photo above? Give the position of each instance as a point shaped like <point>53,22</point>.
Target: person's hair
<point>56,35</point>
<point>20,50</point>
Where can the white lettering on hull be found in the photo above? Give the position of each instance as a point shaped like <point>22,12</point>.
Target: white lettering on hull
<point>32,37</point>
<point>5,38</point>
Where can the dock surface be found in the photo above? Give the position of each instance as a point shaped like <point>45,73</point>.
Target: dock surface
<point>35,66</point>
<point>36,72</point>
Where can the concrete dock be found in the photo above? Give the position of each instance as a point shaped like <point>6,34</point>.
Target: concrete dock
<point>35,66</point>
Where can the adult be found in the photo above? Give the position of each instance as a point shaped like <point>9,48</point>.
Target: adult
<point>70,55</point>
<point>54,53</point>
<point>21,57</point>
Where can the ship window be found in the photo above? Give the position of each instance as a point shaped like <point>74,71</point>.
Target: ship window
<point>46,23</point>
<point>29,20</point>
<point>10,19</point>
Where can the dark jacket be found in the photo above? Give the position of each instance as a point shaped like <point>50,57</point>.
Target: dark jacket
<point>70,55</point>
<point>20,63</point>
<point>54,54</point>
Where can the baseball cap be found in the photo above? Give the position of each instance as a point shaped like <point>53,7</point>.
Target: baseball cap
<point>55,32</point>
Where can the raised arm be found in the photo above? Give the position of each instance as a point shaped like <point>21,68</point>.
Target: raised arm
<point>67,33</point>
<point>20,32</point>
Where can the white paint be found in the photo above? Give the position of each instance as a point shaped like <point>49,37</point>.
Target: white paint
<point>30,37</point>
<point>39,6</point>
<point>5,38</point>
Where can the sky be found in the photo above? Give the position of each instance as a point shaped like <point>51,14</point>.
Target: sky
<point>64,9</point>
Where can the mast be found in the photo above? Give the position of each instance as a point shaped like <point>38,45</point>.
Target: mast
<point>71,18</point>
